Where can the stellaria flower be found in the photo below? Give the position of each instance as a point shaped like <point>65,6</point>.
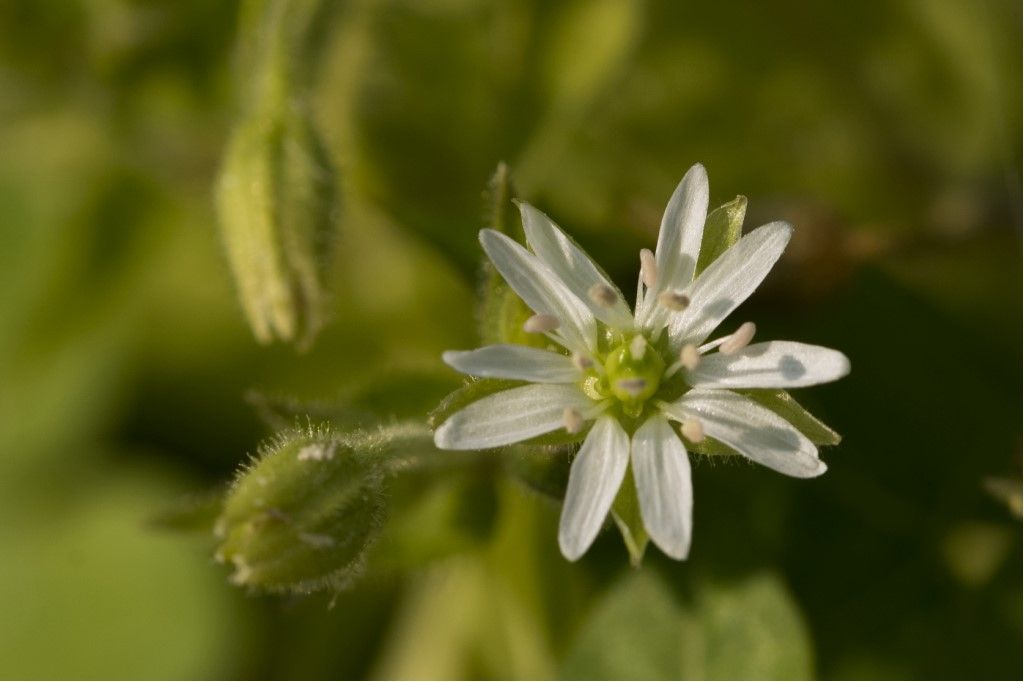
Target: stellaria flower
<point>630,376</point>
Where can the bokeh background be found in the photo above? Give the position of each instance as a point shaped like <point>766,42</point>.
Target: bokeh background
<point>887,131</point>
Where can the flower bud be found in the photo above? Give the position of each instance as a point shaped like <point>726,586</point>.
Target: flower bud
<point>301,517</point>
<point>276,199</point>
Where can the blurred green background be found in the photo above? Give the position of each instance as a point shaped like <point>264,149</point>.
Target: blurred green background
<point>888,132</point>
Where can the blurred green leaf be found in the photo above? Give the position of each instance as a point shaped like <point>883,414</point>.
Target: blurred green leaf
<point>195,513</point>
<point>641,629</point>
<point>746,629</point>
<point>85,578</point>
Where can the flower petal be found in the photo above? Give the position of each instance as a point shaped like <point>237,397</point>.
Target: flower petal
<point>752,430</point>
<point>510,416</point>
<point>573,266</point>
<point>727,283</point>
<point>682,228</point>
<point>594,480</point>
<point>662,472</point>
<point>542,290</point>
<point>507,361</point>
<point>776,364</point>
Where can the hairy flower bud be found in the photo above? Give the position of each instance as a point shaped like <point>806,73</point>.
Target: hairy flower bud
<point>302,516</point>
<point>277,200</point>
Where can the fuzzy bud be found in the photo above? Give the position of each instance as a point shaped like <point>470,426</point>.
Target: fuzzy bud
<point>276,201</point>
<point>302,515</point>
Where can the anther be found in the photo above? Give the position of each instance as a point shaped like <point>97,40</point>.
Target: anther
<point>582,362</point>
<point>739,339</point>
<point>637,347</point>
<point>633,386</point>
<point>648,268</point>
<point>539,324</point>
<point>674,300</point>
<point>572,420</point>
<point>692,430</point>
<point>689,357</point>
<point>602,294</point>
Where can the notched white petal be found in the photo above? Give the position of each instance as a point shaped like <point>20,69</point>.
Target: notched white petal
<point>776,364</point>
<point>682,228</point>
<point>661,469</point>
<point>507,361</point>
<point>594,480</point>
<point>542,290</point>
<point>510,416</point>
<point>572,264</point>
<point>727,282</point>
<point>751,429</point>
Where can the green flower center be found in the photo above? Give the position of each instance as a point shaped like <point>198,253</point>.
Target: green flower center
<point>633,371</point>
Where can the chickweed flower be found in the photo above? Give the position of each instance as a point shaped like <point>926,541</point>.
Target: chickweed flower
<point>644,383</point>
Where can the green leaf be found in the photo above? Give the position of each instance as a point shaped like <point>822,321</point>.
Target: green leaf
<point>722,229</point>
<point>643,629</point>
<point>626,513</point>
<point>632,633</point>
<point>783,404</point>
<point>745,629</point>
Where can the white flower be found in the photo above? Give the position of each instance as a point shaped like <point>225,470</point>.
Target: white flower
<point>632,374</point>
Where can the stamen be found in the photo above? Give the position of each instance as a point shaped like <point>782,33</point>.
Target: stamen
<point>689,357</point>
<point>692,430</point>
<point>648,268</point>
<point>582,362</point>
<point>637,347</point>
<point>540,324</point>
<point>674,300</point>
<point>633,386</point>
<point>739,339</point>
<point>572,420</point>
<point>603,295</point>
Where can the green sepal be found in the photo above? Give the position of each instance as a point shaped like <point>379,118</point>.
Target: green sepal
<point>783,404</point>
<point>470,392</point>
<point>626,513</point>
<point>709,447</point>
<point>500,314</point>
<point>722,229</point>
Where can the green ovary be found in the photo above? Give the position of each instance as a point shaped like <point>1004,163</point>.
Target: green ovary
<point>634,371</point>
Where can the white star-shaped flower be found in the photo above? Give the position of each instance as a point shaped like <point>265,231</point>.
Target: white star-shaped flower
<point>632,375</point>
